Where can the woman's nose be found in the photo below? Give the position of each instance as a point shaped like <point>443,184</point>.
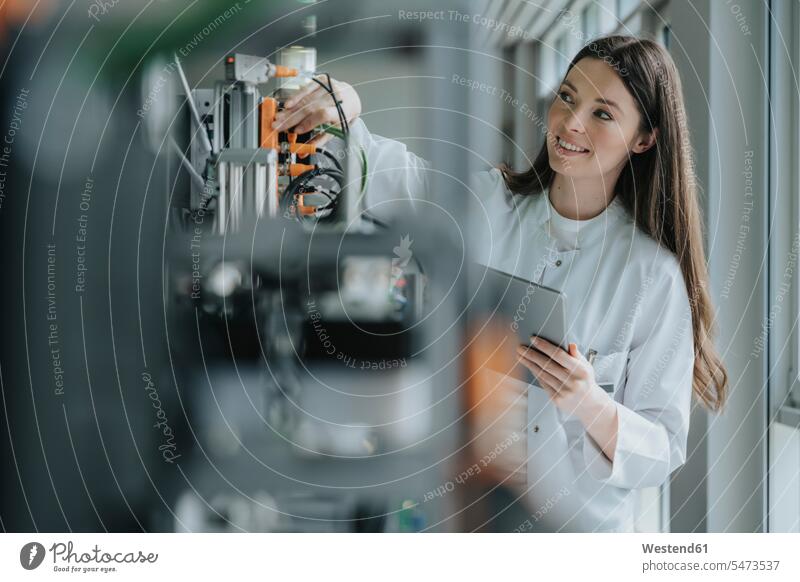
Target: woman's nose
<point>574,123</point>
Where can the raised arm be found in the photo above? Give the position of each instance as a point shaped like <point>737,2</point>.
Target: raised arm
<point>394,173</point>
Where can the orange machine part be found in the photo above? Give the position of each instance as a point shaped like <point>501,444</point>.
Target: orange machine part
<point>297,169</point>
<point>269,137</point>
<point>303,149</point>
<point>281,71</point>
<point>303,208</point>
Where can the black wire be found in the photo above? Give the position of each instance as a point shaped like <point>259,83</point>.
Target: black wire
<point>330,156</point>
<point>327,195</point>
<point>346,124</point>
<point>331,200</point>
<point>295,185</point>
<point>374,220</point>
<point>336,102</point>
<point>331,204</point>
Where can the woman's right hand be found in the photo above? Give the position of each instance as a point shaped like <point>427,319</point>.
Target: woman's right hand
<point>313,106</point>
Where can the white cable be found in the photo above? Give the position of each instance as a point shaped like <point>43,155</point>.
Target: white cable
<point>193,107</point>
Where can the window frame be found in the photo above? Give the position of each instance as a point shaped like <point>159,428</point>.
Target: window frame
<point>784,341</point>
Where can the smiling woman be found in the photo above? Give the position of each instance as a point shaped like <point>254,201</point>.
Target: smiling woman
<point>634,145</point>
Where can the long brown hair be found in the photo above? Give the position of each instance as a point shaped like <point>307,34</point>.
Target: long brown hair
<point>657,187</point>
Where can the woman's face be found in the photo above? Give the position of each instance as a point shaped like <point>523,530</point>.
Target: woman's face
<point>594,112</point>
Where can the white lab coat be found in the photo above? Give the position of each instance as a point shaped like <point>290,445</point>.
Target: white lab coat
<point>626,299</point>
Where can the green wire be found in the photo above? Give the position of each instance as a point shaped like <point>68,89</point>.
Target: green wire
<point>335,131</point>
<point>364,171</point>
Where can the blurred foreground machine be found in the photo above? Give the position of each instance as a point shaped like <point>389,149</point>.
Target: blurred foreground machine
<point>317,361</point>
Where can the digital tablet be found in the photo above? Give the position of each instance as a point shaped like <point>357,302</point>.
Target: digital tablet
<point>517,309</point>
<point>529,308</point>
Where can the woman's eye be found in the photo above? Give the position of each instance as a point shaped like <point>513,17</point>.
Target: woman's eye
<point>602,113</point>
<point>566,97</point>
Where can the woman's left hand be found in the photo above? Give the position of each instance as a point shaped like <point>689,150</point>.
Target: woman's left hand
<point>567,377</point>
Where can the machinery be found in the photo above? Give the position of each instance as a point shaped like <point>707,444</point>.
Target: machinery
<point>240,167</point>
<point>314,368</point>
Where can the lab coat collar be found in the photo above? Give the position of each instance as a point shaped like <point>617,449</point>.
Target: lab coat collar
<point>615,212</point>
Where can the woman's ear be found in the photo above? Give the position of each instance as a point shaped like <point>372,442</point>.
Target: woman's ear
<point>645,141</point>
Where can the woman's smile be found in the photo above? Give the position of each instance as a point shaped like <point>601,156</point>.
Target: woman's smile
<point>569,149</point>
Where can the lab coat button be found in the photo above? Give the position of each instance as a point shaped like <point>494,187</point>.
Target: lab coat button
<point>558,263</point>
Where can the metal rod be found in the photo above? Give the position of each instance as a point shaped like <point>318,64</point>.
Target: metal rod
<point>193,173</point>
<point>222,203</point>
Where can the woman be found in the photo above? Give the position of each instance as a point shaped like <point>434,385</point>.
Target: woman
<point>608,213</point>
